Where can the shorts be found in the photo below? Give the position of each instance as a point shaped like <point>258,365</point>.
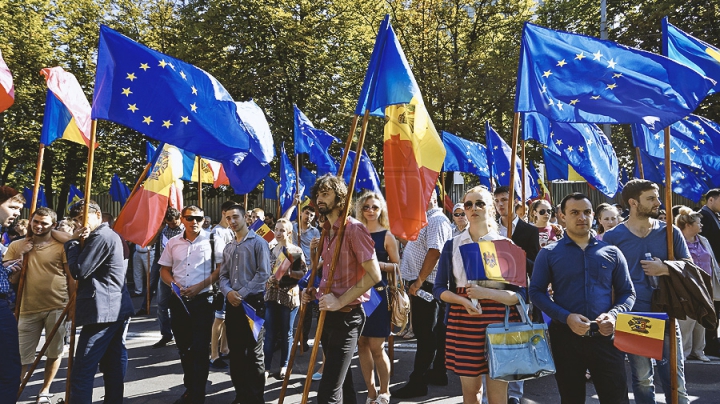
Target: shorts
<point>30,327</point>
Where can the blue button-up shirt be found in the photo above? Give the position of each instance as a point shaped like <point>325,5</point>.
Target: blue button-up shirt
<point>582,280</point>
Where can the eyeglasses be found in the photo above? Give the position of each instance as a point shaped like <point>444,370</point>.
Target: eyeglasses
<point>545,211</point>
<point>194,218</point>
<point>479,204</point>
<point>368,208</point>
<point>459,214</point>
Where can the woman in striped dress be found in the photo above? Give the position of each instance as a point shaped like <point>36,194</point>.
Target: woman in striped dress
<point>466,323</point>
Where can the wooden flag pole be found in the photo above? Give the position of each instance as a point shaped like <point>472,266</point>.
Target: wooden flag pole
<point>523,174</point>
<point>147,277</point>
<point>348,143</point>
<point>86,213</point>
<point>638,158</point>
<point>444,191</point>
<point>513,161</point>
<point>336,254</point>
<point>38,172</point>
<point>671,256</point>
<point>246,202</point>
<point>21,287</point>
<point>199,171</point>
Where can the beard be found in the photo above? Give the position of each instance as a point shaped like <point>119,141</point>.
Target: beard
<point>325,209</point>
<point>648,212</point>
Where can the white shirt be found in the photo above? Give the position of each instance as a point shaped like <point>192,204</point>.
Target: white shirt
<point>190,262</point>
<point>503,230</point>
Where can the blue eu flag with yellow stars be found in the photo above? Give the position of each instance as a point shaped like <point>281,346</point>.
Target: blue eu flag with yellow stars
<point>691,51</point>
<point>576,78</point>
<point>686,181</point>
<point>465,156</point>
<point>314,142</point>
<point>165,99</point>
<point>288,182</point>
<point>367,177</point>
<point>499,154</point>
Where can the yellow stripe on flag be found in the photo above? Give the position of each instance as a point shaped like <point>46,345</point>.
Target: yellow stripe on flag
<point>640,325</point>
<point>713,53</point>
<point>207,173</point>
<point>167,169</point>
<point>72,133</point>
<point>573,175</point>
<point>490,261</point>
<point>412,121</point>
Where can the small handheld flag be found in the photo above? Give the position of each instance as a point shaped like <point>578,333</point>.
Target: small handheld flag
<point>262,230</point>
<point>640,333</point>
<point>283,262</point>
<point>256,322</point>
<point>176,292</point>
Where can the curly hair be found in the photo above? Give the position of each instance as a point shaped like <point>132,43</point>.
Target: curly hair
<point>382,214</point>
<point>329,182</point>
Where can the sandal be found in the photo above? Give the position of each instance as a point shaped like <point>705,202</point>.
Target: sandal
<point>44,398</point>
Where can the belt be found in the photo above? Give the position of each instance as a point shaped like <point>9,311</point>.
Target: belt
<point>198,296</point>
<point>380,288</point>
<point>349,308</point>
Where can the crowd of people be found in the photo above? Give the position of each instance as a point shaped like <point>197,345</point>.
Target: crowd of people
<point>585,265</point>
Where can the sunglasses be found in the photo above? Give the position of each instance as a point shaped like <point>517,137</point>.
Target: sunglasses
<point>479,204</point>
<point>368,208</point>
<point>194,218</point>
<point>544,211</point>
<point>459,214</point>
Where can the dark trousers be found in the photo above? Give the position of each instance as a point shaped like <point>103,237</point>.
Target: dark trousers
<point>247,361</point>
<point>428,323</point>
<point>10,362</point>
<point>340,334</point>
<point>164,293</point>
<point>712,344</point>
<point>192,337</point>
<point>100,344</point>
<point>574,355</point>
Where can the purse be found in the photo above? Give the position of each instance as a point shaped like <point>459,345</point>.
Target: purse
<point>518,351</point>
<point>398,300</point>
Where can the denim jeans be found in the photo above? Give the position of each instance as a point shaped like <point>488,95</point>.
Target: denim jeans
<point>643,372</point>
<point>10,362</point>
<point>102,344</point>
<point>339,339</point>
<point>279,322</point>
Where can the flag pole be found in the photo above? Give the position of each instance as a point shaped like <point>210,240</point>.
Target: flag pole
<point>513,161</point>
<point>671,256</point>
<point>246,202</point>
<point>338,246</point>
<point>86,213</point>
<point>348,143</point>
<point>21,286</point>
<point>638,158</point>
<point>522,176</point>
<point>444,191</point>
<point>38,171</point>
<point>199,171</point>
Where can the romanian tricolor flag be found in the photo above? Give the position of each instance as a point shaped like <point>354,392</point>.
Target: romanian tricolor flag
<point>67,110</point>
<point>256,322</point>
<point>414,152</point>
<point>641,333</point>
<point>262,230</point>
<point>144,211</point>
<point>498,260</point>
<point>7,89</point>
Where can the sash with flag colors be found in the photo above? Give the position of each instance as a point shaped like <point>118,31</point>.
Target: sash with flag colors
<point>413,150</point>
<point>499,154</point>
<point>497,260</point>
<point>74,195</point>
<point>67,110</point>
<point>640,333</point>
<point>262,230</point>
<point>119,192</point>
<point>256,322</point>
<point>7,89</point>
<point>690,51</point>
<point>143,213</point>
<point>575,78</point>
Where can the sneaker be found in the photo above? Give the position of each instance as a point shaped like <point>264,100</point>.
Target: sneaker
<point>218,364</point>
<point>410,390</point>
<point>283,371</point>
<point>700,357</point>
<point>369,400</point>
<point>382,399</point>
<point>317,376</point>
<point>164,341</point>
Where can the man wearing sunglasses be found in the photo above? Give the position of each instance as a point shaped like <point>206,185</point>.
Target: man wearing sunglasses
<point>187,267</point>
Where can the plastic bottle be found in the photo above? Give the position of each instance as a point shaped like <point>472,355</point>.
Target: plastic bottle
<point>425,295</point>
<point>653,279</point>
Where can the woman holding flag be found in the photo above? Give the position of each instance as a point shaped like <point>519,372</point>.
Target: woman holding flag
<point>466,321</point>
<point>282,295</point>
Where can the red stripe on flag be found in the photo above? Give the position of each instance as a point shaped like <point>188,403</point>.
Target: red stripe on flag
<point>638,345</point>
<point>141,217</point>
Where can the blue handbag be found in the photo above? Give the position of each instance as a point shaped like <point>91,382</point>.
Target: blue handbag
<point>518,351</point>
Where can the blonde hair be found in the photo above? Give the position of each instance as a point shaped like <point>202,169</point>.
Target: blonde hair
<point>382,215</point>
<point>286,224</point>
<point>487,197</point>
<point>686,217</point>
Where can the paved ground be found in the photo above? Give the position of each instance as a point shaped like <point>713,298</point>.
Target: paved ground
<point>155,376</point>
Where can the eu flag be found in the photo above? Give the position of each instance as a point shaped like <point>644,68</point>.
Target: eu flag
<point>149,152</point>
<point>41,201</point>
<point>119,192</point>
<point>557,169</point>
<point>314,142</point>
<point>693,52</point>
<point>308,179</point>
<point>499,154</point>
<point>686,181</point>
<point>465,156</point>
<point>367,177</point>
<point>166,99</point>
<point>74,195</point>
<point>270,189</point>
<point>288,185</point>
<point>576,78</point>
<point>584,146</point>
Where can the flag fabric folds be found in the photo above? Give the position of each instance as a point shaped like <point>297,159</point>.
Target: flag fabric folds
<point>465,156</point>
<point>575,78</point>
<point>119,192</point>
<point>74,195</point>
<point>686,181</point>
<point>690,51</point>
<point>288,182</point>
<point>270,189</point>
<point>557,169</point>
<point>498,260</point>
<point>367,177</point>
<point>640,333</point>
<point>149,152</point>
<point>413,150</point>
<point>581,145</point>
<point>262,230</point>
<point>145,210</point>
<point>166,99</point>
<point>256,322</point>
<point>308,179</point>
<point>314,142</point>
<point>41,201</point>
<point>498,155</point>
<point>67,110</point>
<point>7,89</point>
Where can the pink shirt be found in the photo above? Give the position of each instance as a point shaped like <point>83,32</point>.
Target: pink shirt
<point>357,247</point>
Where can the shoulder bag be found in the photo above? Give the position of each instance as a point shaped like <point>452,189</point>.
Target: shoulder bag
<point>398,300</point>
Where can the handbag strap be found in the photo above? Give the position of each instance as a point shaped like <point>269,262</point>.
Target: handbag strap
<point>522,308</point>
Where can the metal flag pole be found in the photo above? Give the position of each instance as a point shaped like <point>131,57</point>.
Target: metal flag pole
<point>199,171</point>
<point>671,256</point>
<point>513,161</point>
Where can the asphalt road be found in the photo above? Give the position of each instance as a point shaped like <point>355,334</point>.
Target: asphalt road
<point>155,376</point>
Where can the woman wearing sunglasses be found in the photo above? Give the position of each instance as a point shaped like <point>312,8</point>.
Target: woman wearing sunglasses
<point>370,210</point>
<point>540,213</point>
<point>466,322</point>
<point>460,222</point>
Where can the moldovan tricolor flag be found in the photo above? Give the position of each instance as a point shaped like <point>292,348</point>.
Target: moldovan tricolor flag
<point>143,213</point>
<point>414,152</point>
<point>67,110</point>
<point>640,333</point>
<point>7,89</point>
